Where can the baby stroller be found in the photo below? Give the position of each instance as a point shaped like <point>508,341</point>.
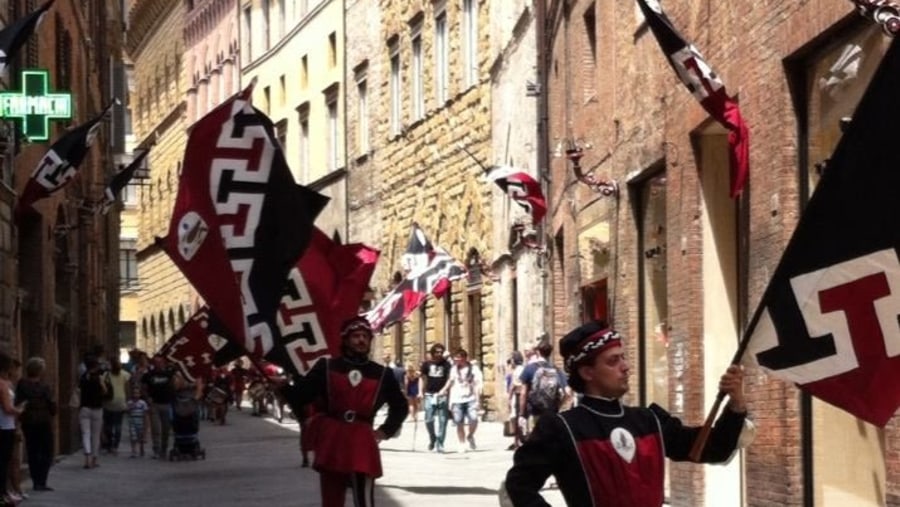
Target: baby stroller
<point>185,426</point>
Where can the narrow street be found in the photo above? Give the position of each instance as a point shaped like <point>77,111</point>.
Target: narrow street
<point>255,461</point>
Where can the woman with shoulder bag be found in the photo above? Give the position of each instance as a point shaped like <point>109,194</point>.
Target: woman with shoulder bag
<point>90,414</point>
<point>37,422</point>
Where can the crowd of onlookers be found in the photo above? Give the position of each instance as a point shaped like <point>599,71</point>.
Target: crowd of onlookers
<point>109,396</point>
<point>450,386</point>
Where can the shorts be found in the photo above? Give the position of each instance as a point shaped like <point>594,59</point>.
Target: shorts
<point>464,410</point>
<point>136,431</point>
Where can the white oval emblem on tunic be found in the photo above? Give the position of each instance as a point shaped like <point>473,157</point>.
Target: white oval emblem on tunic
<point>623,443</point>
<point>355,377</point>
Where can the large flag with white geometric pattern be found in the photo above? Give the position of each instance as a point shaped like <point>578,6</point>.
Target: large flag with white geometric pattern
<point>240,221</point>
<point>828,321</point>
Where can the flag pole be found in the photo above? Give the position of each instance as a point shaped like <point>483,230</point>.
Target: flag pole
<point>703,436</point>
<point>469,153</point>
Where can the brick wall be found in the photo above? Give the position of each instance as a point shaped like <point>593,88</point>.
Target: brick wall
<point>636,115</point>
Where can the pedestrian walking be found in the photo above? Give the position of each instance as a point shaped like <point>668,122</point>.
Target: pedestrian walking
<point>37,421</point>
<point>603,452</point>
<point>114,407</point>
<point>14,476</point>
<point>542,386</point>
<point>352,388</point>
<point>464,389</point>
<point>411,388</point>
<point>160,388</point>
<point>434,374</point>
<point>138,417</point>
<point>90,410</point>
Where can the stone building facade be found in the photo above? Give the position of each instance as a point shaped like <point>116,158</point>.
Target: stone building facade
<point>156,45</point>
<point>420,87</point>
<point>211,56</point>
<point>674,263</point>
<point>295,51</point>
<point>58,267</point>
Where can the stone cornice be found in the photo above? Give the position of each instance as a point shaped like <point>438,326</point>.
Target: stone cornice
<point>143,18</point>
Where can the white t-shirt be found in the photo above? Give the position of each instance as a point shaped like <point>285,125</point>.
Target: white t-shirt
<point>467,383</point>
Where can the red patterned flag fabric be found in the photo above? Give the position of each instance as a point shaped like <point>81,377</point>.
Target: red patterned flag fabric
<point>706,87</point>
<point>240,222</point>
<point>521,188</point>
<point>325,288</point>
<point>199,345</point>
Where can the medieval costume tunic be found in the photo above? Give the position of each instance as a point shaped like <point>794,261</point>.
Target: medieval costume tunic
<point>605,454</point>
<point>350,394</point>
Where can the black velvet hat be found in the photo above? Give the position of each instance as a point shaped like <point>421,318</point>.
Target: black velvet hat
<point>358,323</point>
<point>586,341</point>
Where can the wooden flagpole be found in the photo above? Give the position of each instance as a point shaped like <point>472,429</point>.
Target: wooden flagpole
<point>703,436</point>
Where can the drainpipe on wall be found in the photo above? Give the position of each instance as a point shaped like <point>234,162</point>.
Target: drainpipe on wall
<point>543,153</point>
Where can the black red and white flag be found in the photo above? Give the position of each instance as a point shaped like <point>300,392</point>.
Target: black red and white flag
<point>521,188</point>
<point>707,88</point>
<point>429,270</point>
<point>119,181</point>
<point>60,164</point>
<point>240,222</point>
<point>828,321</point>
<point>325,288</point>
<point>14,35</point>
<point>200,345</point>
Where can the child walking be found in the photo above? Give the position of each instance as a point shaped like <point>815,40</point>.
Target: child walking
<point>138,413</point>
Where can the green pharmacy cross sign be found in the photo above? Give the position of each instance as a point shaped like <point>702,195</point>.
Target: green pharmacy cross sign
<point>35,106</point>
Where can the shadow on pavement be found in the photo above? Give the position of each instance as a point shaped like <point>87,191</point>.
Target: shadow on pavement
<point>442,490</point>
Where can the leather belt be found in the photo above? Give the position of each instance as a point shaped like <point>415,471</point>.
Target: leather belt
<point>350,416</point>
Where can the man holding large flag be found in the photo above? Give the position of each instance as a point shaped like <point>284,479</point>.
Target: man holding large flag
<point>706,87</point>
<point>604,452</point>
<point>351,389</point>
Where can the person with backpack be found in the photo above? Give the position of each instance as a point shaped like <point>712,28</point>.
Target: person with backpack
<point>543,385</point>
<point>464,388</point>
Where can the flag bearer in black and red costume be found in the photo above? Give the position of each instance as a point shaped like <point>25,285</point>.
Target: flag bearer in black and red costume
<point>602,452</point>
<point>351,389</point>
